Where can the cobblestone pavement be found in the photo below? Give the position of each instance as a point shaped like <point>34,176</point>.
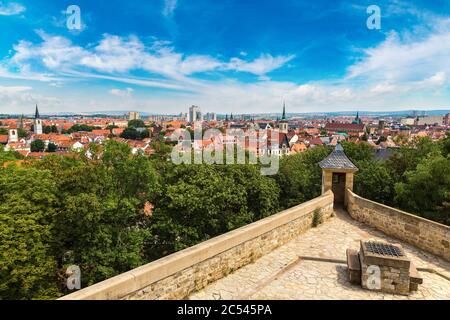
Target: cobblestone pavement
<point>281,274</point>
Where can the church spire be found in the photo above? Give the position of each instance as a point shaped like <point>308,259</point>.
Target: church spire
<point>21,122</point>
<point>283,117</point>
<point>357,119</point>
<point>36,114</point>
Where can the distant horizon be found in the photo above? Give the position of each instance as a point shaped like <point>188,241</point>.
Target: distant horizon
<point>442,112</point>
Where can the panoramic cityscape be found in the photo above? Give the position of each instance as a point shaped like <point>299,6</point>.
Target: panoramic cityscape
<point>192,151</point>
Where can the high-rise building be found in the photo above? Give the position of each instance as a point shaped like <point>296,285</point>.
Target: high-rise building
<point>211,116</point>
<point>133,115</point>
<point>447,119</point>
<point>195,114</point>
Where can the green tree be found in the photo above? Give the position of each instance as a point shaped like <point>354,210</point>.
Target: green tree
<point>28,269</point>
<point>300,177</point>
<point>37,146</point>
<point>358,151</point>
<point>81,127</point>
<point>162,149</point>
<point>22,133</point>
<point>373,181</point>
<point>52,147</point>
<point>426,189</point>
<point>445,145</point>
<point>137,123</point>
<point>9,155</point>
<point>202,201</point>
<point>101,219</point>
<point>408,157</point>
<point>49,129</point>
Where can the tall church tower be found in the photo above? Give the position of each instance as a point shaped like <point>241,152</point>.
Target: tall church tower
<point>357,119</point>
<point>37,122</point>
<point>13,135</point>
<point>284,123</point>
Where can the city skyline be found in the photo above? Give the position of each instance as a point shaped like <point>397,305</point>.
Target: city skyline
<point>158,59</point>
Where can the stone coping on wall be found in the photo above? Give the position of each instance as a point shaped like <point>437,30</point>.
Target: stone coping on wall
<point>129,282</point>
<point>425,234</point>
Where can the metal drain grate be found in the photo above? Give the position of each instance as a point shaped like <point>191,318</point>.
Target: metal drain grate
<point>384,249</point>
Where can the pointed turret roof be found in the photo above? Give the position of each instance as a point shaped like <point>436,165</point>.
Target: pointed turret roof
<point>283,117</point>
<point>337,160</point>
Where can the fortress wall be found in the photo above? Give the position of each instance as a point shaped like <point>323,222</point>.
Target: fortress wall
<point>422,233</point>
<point>179,274</point>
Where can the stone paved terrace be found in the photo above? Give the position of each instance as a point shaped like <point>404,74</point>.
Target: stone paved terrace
<point>281,274</point>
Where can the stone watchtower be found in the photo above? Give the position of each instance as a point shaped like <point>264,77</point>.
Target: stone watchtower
<point>337,174</point>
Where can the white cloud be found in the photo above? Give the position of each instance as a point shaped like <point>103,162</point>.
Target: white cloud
<point>260,66</point>
<point>407,60</point>
<point>24,73</point>
<point>17,99</point>
<point>126,93</point>
<point>169,7</point>
<point>123,55</point>
<point>115,54</point>
<point>54,52</point>
<point>11,8</point>
<point>7,90</point>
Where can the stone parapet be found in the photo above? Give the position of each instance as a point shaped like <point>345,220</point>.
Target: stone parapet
<point>422,233</point>
<point>182,273</point>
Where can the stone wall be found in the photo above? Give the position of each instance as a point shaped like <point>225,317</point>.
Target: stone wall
<point>179,274</point>
<point>422,233</point>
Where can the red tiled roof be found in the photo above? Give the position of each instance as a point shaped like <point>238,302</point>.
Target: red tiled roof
<point>316,141</point>
<point>117,131</point>
<point>344,127</point>
<point>41,136</point>
<point>65,144</point>
<point>56,137</point>
<point>101,132</point>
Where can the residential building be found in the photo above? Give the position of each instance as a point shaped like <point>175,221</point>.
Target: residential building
<point>195,114</point>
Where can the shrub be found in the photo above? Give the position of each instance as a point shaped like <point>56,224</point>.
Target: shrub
<point>317,218</point>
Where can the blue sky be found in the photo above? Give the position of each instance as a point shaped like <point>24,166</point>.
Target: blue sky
<point>161,56</point>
